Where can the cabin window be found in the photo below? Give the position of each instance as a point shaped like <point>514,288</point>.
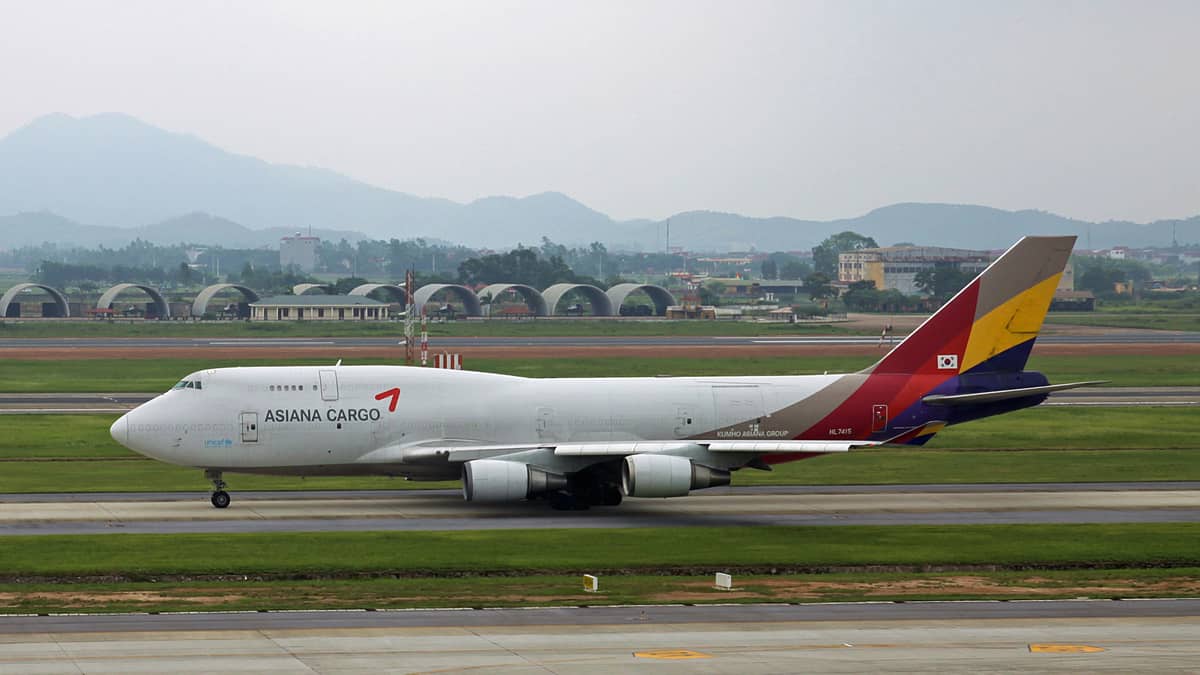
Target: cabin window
<point>271,388</point>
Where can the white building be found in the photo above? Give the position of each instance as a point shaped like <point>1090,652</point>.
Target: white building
<point>300,251</point>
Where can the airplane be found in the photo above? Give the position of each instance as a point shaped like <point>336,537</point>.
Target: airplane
<point>581,442</point>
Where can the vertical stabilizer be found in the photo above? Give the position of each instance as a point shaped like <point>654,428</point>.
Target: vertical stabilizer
<point>991,324</point>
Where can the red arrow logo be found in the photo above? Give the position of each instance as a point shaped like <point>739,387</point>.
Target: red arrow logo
<point>393,393</point>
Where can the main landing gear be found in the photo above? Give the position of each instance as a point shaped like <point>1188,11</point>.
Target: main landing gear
<point>220,498</point>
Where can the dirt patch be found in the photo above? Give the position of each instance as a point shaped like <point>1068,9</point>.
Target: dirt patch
<point>965,585</point>
<point>86,599</point>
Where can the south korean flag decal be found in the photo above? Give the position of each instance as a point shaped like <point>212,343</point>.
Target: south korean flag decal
<point>947,361</point>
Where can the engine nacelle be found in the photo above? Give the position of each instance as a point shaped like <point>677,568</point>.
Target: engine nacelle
<point>498,480</point>
<point>667,476</point>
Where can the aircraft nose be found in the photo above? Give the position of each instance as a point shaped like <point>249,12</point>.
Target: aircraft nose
<point>120,430</point>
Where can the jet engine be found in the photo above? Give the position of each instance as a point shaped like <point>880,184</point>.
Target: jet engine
<point>498,480</point>
<point>667,476</point>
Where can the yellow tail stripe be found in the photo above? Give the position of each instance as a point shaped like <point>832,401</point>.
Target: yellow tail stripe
<point>1015,321</point>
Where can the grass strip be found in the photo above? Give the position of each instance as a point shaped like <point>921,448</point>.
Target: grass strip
<point>1141,320</point>
<point>492,328</point>
<point>149,375</point>
<point>396,593</point>
<point>525,552</point>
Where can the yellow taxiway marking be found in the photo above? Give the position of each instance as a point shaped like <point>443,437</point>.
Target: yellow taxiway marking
<point>672,654</point>
<point>1064,649</point>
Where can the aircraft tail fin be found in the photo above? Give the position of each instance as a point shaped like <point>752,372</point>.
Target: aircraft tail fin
<point>991,324</point>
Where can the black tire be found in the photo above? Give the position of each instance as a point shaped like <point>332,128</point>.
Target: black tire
<point>562,501</point>
<point>610,495</point>
<point>220,499</point>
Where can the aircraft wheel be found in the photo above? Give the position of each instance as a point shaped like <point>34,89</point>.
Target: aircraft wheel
<point>610,496</point>
<point>220,499</point>
<point>563,501</point>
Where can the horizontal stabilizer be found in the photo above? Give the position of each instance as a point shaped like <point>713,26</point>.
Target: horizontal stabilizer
<point>1004,394</point>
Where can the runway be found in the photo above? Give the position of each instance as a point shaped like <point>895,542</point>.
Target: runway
<point>114,403</point>
<point>1072,636</point>
<point>1129,337</point>
<point>445,510</point>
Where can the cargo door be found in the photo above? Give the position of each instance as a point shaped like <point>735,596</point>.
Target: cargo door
<point>547,426</point>
<point>684,421</point>
<point>736,404</point>
<point>249,427</point>
<point>329,385</point>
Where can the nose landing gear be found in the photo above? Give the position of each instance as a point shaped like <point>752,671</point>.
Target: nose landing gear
<point>220,498</point>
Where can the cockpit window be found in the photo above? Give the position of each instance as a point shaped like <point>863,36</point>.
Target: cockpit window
<point>180,384</point>
<point>187,384</point>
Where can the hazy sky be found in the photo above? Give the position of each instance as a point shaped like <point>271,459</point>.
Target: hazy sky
<point>642,109</point>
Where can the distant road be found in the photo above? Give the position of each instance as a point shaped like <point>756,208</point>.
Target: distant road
<point>71,403</point>
<point>1114,337</point>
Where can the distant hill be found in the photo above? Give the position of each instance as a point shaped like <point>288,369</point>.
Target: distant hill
<point>116,171</point>
<point>110,178</point>
<point>195,228</point>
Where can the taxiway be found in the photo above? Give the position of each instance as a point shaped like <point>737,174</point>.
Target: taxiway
<point>445,510</point>
<point>1069,636</point>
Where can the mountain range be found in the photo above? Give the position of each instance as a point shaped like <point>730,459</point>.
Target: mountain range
<point>110,178</point>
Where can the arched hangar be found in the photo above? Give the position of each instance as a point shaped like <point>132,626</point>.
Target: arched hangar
<point>11,294</point>
<point>468,298</point>
<point>394,291</point>
<point>533,299</point>
<point>200,304</point>
<point>302,289</point>
<point>160,303</point>
<point>601,305</point>
<point>660,296</point>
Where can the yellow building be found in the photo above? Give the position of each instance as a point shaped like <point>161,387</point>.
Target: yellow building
<point>896,267</point>
<point>318,308</point>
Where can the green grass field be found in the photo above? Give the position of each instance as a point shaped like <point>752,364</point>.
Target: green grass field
<point>74,453</point>
<point>153,375</point>
<point>1186,321</point>
<point>524,552</point>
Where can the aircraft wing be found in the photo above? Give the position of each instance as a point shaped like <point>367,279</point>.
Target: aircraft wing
<point>452,452</point>
<point>673,447</point>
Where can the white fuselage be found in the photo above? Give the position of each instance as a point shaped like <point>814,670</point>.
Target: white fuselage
<point>311,420</point>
